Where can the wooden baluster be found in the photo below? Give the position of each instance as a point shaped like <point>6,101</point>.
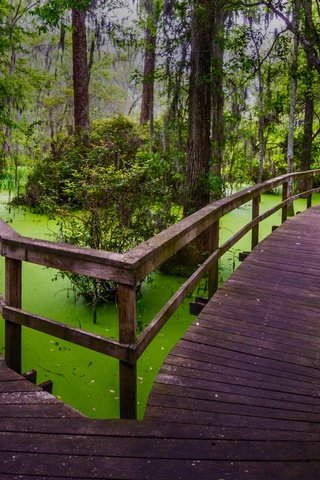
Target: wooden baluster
<point>309,200</point>
<point>285,191</point>
<point>214,270</point>
<point>127,334</point>
<point>309,187</point>
<point>13,270</point>
<point>255,229</point>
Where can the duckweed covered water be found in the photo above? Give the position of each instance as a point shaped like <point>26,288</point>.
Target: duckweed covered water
<point>85,379</point>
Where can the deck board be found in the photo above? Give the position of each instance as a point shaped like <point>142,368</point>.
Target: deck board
<point>237,398</point>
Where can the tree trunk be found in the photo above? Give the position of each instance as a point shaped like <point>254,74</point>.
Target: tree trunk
<point>218,138</point>
<point>293,100</point>
<point>147,104</point>
<point>306,150</point>
<point>261,136</point>
<point>199,147</point>
<point>80,73</point>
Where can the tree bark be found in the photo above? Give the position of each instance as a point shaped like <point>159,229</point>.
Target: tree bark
<point>80,73</point>
<point>199,145</point>
<point>218,136</point>
<point>293,100</point>
<point>306,150</point>
<point>147,104</point>
<point>261,125</point>
<point>307,140</point>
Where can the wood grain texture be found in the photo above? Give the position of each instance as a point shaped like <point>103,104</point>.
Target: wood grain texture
<point>238,398</point>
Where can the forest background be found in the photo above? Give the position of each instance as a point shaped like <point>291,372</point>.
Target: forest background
<point>118,118</point>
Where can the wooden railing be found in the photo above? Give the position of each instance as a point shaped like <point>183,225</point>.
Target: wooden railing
<point>127,270</point>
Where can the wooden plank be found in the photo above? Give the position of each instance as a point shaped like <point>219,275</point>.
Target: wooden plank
<point>147,429</point>
<point>216,369</point>
<point>198,394</point>
<point>19,385</point>
<point>66,332</point>
<point>6,231</point>
<point>214,269</point>
<point>255,214</point>
<point>252,382</point>
<point>148,448</point>
<point>246,358</point>
<point>11,398</point>
<point>81,468</point>
<point>127,334</point>
<point>259,340</point>
<point>178,415</point>
<point>230,343</point>
<point>36,411</point>
<point>234,389</point>
<point>285,193</point>
<point>203,406</point>
<point>282,334</point>
<point>84,261</point>
<point>13,295</point>
<point>244,366</point>
<point>273,306</point>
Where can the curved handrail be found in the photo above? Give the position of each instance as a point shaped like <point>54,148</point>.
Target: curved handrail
<point>127,270</point>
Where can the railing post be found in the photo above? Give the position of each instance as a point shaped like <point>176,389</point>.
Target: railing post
<point>213,232</point>
<point>309,200</point>
<point>285,192</point>
<point>255,229</point>
<point>127,334</point>
<point>13,270</point>
<point>309,187</point>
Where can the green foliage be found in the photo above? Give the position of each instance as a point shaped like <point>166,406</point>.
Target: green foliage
<point>52,12</point>
<point>109,195</point>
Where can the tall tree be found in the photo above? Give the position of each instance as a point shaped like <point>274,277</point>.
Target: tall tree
<point>199,142</point>
<point>80,72</point>
<point>147,103</point>
<point>310,42</point>
<point>15,28</point>
<point>257,41</point>
<point>307,140</point>
<point>293,99</point>
<point>218,135</point>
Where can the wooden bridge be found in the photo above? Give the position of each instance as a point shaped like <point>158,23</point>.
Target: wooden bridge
<point>239,396</point>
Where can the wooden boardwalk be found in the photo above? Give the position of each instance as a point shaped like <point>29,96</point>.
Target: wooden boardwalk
<point>238,398</point>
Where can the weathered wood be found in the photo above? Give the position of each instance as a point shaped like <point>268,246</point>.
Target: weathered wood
<point>31,376</point>
<point>171,306</point>
<point>239,397</point>
<point>46,386</point>
<point>255,214</point>
<point>243,256</point>
<point>214,270</point>
<point>196,306</point>
<point>127,334</point>
<point>309,200</point>
<point>285,192</point>
<point>165,313</point>
<point>6,231</point>
<point>66,332</point>
<point>2,302</point>
<point>84,261</point>
<point>150,254</point>
<point>13,279</point>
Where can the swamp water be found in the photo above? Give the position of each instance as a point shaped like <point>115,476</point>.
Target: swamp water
<point>84,379</point>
